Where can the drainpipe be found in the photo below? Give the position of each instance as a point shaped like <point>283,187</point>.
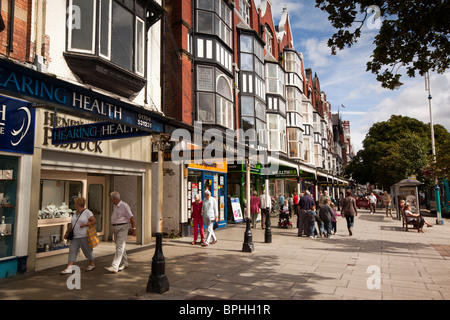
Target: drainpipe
<point>10,45</point>
<point>2,23</point>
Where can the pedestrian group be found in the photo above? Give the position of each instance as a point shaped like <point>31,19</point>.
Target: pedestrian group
<point>83,219</point>
<point>313,220</point>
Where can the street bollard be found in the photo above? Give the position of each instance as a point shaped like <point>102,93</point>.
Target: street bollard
<point>248,239</point>
<point>268,232</point>
<point>157,282</point>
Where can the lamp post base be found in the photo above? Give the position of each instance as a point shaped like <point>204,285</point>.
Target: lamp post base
<point>268,231</point>
<point>158,282</point>
<point>248,246</point>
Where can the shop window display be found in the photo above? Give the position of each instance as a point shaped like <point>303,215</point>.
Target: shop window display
<point>57,206</point>
<point>8,191</point>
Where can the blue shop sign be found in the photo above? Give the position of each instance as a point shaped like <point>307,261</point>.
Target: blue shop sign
<point>93,132</point>
<point>36,86</point>
<point>17,119</point>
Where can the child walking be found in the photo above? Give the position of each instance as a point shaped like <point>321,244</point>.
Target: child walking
<point>312,221</point>
<point>334,219</point>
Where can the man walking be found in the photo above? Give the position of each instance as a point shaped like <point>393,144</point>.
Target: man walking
<point>265,208</point>
<point>210,215</point>
<point>120,220</point>
<point>387,203</point>
<point>372,203</point>
<point>305,204</point>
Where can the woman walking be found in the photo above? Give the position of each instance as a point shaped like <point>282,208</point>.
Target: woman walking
<point>197,218</point>
<point>81,220</point>
<point>349,211</point>
<point>255,203</point>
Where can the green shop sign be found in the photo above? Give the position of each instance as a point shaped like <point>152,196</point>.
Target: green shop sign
<point>284,172</point>
<point>255,168</point>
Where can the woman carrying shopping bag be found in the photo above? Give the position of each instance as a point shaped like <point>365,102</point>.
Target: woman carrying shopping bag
<point>81,221</point>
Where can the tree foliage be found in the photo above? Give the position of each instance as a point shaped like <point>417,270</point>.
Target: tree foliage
<point>412,33</point>
<point>396,149</point>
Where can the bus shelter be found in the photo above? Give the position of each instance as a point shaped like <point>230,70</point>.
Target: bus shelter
<point>407,190</point>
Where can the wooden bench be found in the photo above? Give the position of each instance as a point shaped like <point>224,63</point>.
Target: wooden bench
<point>414,223</point>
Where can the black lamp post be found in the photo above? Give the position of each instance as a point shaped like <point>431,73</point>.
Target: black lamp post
<point>248,246</point>
<point>268,231</point>
<point>158,282</point>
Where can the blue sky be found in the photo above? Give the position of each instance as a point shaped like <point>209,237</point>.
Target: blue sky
<point>345,81</point>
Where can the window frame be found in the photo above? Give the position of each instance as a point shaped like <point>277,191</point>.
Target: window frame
<point>268,38</point>
<point>139,64</point>
<point>94,29</point>
<point>244,11</point>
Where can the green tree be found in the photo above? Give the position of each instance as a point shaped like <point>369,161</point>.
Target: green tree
<point>412,33</point>
<point>441,167</point>
<point>395,149</point>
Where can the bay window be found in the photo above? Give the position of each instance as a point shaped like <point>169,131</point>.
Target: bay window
<point>293,97</point>
<point>274,79</point>
<point>214,17</point>
<point>121,32</point>
<point>277,132</point>
<point>110,45</point>
<point>252,106</point>
<point>294,142</point>
<point>214,97</point>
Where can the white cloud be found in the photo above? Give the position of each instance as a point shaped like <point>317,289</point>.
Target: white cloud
<point>413,101</point>
<point>410,101</point>
<point>317,53</point>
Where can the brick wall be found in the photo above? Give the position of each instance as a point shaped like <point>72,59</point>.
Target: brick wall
<point>178,67</point>
<point>22,28</point>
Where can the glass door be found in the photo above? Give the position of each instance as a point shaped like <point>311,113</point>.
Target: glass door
<point>96,201</point>
<point>208,184</point>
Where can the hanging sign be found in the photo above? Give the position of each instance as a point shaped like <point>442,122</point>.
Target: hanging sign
<point>93,132</point>
<point>17,119</point>
<point>39,87</point>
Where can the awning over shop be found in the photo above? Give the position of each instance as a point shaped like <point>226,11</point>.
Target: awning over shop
<point>279,168</point>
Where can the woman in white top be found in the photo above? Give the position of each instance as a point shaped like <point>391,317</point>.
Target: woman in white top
<point>415,216</point>
<point>81,220</point>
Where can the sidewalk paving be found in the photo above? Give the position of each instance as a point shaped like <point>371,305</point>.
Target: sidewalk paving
<point>412,265</point>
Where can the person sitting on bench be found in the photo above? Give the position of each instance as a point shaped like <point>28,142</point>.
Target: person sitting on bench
<point>415,216</point>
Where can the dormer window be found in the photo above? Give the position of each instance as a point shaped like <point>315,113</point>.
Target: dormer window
<point>244,11</point>
<point>268,37</point>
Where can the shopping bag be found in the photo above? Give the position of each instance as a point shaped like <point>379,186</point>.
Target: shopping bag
<point>92,237</point>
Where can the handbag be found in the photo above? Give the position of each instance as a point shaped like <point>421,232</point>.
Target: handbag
<point>70,235</point>
<point>93,240</point>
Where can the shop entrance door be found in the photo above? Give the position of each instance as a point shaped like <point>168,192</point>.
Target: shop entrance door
<point>96,200</point>
<point>208,184</point>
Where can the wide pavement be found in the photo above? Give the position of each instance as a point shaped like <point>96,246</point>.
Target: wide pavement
<point>380,261</point>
